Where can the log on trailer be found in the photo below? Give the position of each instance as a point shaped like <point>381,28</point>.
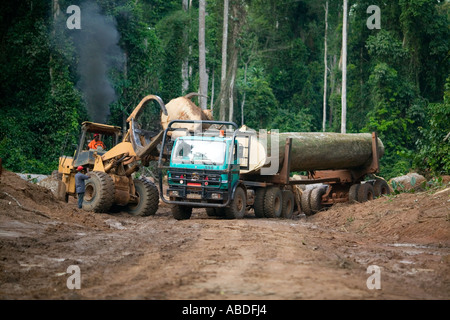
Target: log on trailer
<point>315,151</point>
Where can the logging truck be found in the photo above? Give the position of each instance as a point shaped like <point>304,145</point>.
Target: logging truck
<point>229,170</point>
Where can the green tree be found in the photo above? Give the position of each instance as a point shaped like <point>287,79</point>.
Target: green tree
<point>433,156</point>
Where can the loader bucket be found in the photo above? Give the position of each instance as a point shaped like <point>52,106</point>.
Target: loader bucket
<point>144,141</point>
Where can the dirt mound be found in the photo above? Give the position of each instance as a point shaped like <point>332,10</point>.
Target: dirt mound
<point>23,201</point>
<point>422,216</point>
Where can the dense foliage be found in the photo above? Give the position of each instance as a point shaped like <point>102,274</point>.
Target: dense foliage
<point>396,84</point>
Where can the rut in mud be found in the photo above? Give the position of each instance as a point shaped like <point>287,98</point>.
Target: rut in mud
<point>325,256</point>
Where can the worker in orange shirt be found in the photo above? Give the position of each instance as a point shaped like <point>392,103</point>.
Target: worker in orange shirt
<point>96,142</point>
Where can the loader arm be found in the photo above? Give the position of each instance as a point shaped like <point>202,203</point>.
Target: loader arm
<point>144,142</point>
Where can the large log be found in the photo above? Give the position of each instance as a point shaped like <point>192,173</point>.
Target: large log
<point>317,151</point>
<point>182,108</point>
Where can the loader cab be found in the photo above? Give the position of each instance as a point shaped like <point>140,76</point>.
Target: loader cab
<point>109,135</point>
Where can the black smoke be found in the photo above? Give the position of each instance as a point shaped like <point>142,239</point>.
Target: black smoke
<point>98,52</point>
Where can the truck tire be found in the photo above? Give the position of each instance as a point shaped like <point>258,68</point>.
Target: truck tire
<point>99,195</point>
<point>380,187</point>
<point>273,203</point>
<point>315,200</point>
<point>365,192</point>
<point>258,206</point>
<point>288,204</point>
<point>353,192</point>
<point>148,198</point>
<point>211,212</point>
<point>238,205</point>
<point>215,212</point>
<point>181,212</point>
<point>304,202</point>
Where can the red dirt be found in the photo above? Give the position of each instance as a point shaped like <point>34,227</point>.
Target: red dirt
<point>324,256</point>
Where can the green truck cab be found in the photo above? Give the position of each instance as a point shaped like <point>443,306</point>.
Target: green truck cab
<point>203,171</point>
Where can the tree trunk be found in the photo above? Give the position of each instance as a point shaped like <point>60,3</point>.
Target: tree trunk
<point>232,81</point>
<point>55,12</point>
<point>185,63</point>
<point>324,121</point>
<point>243,98</point>
<point>344,71</point>
<point>332,87</point>
<point>125,94</point>
<point>202,56</point>
<point>222,106</point>
<point>212,93</point>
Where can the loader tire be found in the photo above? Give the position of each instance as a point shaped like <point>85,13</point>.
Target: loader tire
<point>181,212</point>
<point>238,205</point>
<point>258,206</point>
<point>304,202</point>
<point>380,187</point>
<point>288,204</point>
<point>273,202</point>
<point>148,198</point>
<point>99,195</point>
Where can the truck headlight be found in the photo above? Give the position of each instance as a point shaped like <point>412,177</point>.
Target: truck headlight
<point>216,196</point>
<point>174,193</point>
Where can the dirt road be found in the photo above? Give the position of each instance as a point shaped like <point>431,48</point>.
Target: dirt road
<point>325,256</point>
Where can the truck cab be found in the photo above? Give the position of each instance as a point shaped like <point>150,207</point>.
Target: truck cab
<point>198,167</point>
<point>204,171</point>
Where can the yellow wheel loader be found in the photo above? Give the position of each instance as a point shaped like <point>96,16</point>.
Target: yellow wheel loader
<point>111,182</point>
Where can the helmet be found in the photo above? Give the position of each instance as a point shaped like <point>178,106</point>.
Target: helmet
<point>96,135</point>
<point>80,168</point>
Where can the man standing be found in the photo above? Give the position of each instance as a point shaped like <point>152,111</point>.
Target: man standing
<point>80,187</point>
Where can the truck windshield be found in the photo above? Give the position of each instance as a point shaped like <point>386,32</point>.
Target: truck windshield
<point>199,151</point>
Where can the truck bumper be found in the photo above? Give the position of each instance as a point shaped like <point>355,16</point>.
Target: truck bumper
<point>200,196</point>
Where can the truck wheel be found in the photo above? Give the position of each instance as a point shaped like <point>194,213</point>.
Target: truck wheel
<point>304,202</point>
<point>315,200</point>
<point>288,204</point>
<point>148,198</point>
<point>236,209</point>
<point>181,212</point>
<point>380,187</point>
<point>365,192</point>
<point>211,212</point>
<point>353,192</point>
<point>258,206</point>
<point>215,212</point>
<point>273,203</point>
<point>99,195</point>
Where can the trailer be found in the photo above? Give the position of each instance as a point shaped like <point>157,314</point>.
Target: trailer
<point>213,169</point>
